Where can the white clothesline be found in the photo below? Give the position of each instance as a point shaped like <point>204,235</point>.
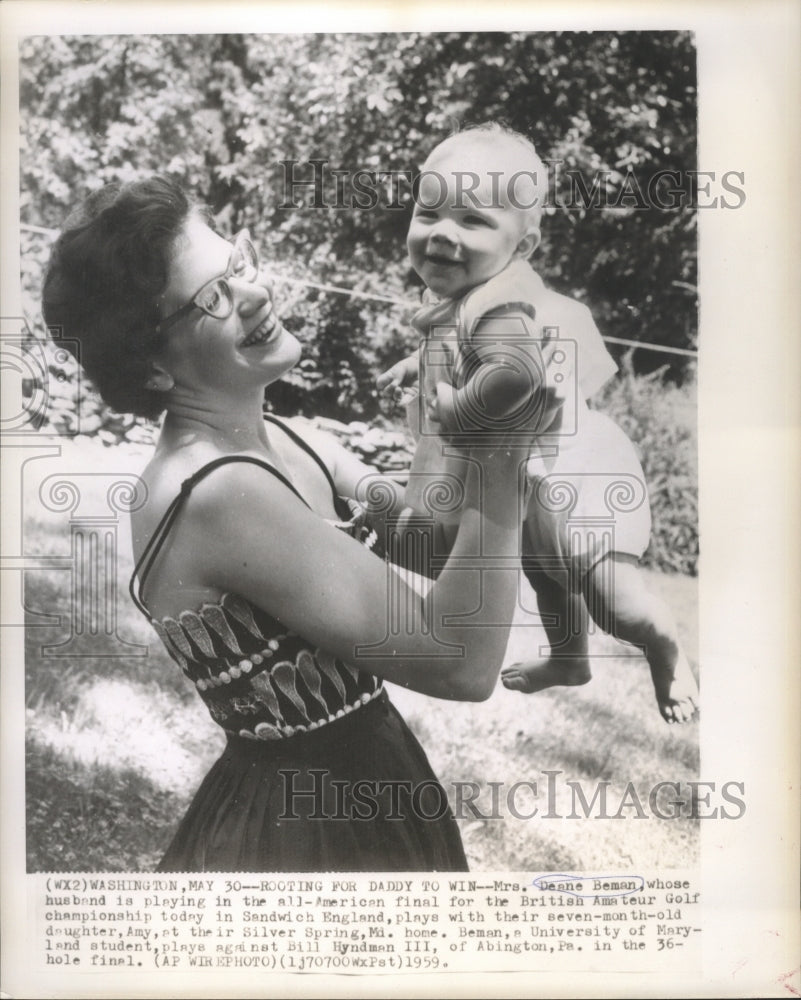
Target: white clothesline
<point>408,303</point>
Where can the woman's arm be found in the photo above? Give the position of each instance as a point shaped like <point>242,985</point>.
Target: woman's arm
<point>262,542</point>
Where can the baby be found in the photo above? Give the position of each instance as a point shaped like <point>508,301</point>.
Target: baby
<point>495,341</point>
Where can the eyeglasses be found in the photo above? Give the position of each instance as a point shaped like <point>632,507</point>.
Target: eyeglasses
<point>216,297</point>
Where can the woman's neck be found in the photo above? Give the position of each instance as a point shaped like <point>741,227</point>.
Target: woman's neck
<point>228,425</point>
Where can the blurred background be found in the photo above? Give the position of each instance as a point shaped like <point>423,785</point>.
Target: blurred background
<point>116,743</point>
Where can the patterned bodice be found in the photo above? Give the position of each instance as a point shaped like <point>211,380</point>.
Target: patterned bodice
<point>258,680</point>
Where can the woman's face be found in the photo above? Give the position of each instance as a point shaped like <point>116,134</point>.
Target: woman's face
<point>248,348</point>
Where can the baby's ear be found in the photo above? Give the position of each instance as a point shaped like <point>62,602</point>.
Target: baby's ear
<point>528,243</point>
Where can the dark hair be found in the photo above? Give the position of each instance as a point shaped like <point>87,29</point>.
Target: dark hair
<point>106,272</point>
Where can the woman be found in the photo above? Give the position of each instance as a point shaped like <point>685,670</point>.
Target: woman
<point>253,571</point>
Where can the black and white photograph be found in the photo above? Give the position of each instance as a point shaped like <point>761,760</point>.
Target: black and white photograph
<point>295,159</point>
<point>359,424</point>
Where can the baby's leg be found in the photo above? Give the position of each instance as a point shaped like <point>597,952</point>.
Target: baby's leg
<point>620,603</point>
<point>564,617</point>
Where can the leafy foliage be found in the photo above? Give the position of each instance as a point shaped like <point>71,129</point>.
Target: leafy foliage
<point>227,113</point>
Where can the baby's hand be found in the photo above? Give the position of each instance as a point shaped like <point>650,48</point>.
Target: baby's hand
<point>393,381</point>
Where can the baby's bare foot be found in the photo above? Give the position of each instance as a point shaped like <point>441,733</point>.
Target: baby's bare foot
<point>555,671</point>
<point>676,690</point>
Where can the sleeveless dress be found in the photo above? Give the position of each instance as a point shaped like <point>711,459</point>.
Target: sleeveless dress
<point>319,772</point>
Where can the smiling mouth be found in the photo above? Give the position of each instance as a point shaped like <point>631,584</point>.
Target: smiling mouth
<point>439,261</point>
<point>263,332</point>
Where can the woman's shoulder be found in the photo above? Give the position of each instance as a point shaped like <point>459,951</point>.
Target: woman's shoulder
<point>167,471</point>
<point>203,480</point>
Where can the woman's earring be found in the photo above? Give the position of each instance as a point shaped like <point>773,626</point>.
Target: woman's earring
<point>160,382</point>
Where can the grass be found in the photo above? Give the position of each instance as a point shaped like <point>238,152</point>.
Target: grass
<point>117,743</point>
<point>92,817</point>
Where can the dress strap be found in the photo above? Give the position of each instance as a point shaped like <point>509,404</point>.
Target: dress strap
<point>306,447</point>
<point>148,557</point>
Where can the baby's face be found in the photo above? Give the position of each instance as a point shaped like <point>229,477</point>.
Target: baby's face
<point>466,227</point>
